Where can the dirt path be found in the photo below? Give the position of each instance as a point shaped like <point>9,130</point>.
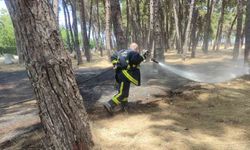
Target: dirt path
<point>167,112</point>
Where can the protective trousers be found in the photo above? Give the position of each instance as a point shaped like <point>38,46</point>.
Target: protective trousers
<point>123,92</point>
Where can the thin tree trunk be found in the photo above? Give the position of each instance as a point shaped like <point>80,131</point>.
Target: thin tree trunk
<point>247,34</point>
<point>69,23</point>
<point>62,112</point>
<point>217,42</point>
<point>76,44</point>
<point>228,39</point>
<point>117,24</point>
<point>210,6</point>
<point>67,26</point>
<point>108,26</point>
<point>150,40</point>
<point>236,49</point>
<point>90,17</point>
<point>194,30</point>
<point>84,32</point>
<point>187,34</point>
<point>128,20</point>
<point>178,38</point>
<point>98,29</point>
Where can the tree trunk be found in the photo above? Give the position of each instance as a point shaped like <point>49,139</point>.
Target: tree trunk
<point>217,42</point>
<point>194,36</point>
<point>236,49</point>
<point>84,32</point>
<point>69,24</point>
<point>108,26</point>
<point>150,44</point>
<point>178,36</point>
<point>49,68</point>
<point>75,29</point>
<point>228,38</point>
<point>247,34</point>
<point>117,24</point>
<point>67,27</point>
<point>56,10</point>
<point>210,6</point>
<point>187,34</point>
<point>158,40</point>
<point>90,18</point>
<point>128,20</point>
<point>98,30</point>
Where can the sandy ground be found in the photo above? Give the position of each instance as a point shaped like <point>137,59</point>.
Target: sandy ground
<point>167,112</point>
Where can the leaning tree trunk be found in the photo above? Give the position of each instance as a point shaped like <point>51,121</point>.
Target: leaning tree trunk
<point>18,42</point>
<point>228,38</point>
<point>117,24</point>
<point>49,68</point>
<point>236,49</point>
<point>76,38</point>
<point>84,32</point>
<point>108,26</point>
<point>247,34</point>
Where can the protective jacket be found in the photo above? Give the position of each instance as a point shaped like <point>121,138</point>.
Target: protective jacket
<point>127,63</point>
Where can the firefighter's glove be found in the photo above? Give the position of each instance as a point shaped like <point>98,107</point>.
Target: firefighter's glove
<point>145,54</point>
<point>115,66</point>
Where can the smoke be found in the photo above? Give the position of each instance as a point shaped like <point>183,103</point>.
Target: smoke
<point>209,73</point>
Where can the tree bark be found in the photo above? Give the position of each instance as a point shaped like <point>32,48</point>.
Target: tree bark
<point>56,9</point>
<point>84,32</point>
<point>236,49</point>
<point>75,29</point>
<point>50,70</point>
<point>98,30</point>
<point>158,40</point>
<point>217,42</point>
<point>90,18</point>
<point>247,34</point>
<point>108,26</point>
<point>187,34</point>
<point>178,36</point>
<point>228,38</point>
<point>117,24</point>
<point>210,6</point>
<point>69,23</point>
<point>67,27</point>
<point>194,35</point>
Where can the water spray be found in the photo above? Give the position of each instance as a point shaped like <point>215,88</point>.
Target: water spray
<point>204,77</point>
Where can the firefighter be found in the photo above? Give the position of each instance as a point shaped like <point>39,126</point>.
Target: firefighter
<point>126,64</point>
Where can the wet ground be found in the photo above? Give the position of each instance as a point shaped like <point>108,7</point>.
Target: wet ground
<point>167,111</point>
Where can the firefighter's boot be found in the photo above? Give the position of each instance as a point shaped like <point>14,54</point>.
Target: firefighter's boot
<point>124,106</point>
<point>109,106</point>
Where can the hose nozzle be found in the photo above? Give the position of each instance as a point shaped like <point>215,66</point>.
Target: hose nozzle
<point>155,61</point>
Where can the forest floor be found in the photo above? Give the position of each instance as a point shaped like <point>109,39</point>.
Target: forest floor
<point>166,112</point>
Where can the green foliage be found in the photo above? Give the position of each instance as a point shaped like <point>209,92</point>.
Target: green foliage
<point>63,35</point>
<point>7,36</point>
<point>9,50</point>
